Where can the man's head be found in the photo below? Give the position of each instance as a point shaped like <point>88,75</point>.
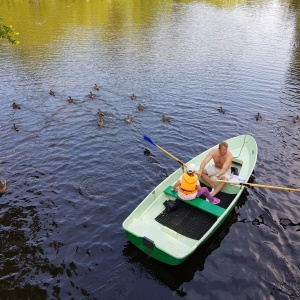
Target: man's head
<point>223,148</point>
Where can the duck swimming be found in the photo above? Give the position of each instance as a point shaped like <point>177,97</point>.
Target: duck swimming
<point>296,120</point>
<point>51,92</point>
<point>71,100</point>
<point>257,116</point>
<point>2,186</point>
<point>221,110</point>
<point>96,87</point>
<point>165,119</point>
<point>128,119</point>
<point>15,127</point>
<point>140,107</point>
<point>100,113</point>
<point>101,121</point>
<point>16,106</point>
<point>91,95</point>
<point>147,152</point>
<point>133,97</point>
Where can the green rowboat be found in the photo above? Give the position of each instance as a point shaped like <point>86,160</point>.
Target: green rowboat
<point>171,237</point>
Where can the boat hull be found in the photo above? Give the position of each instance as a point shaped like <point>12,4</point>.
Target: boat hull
<point>169,238</point>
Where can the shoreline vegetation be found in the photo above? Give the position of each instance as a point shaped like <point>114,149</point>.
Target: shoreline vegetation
<point>8,32</point>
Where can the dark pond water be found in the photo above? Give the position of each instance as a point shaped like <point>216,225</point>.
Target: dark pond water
<point>71,183</point>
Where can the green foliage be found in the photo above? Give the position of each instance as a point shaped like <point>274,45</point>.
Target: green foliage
<point>8,32</point>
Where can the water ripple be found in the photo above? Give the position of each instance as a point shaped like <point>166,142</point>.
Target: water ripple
<point>71,183</point>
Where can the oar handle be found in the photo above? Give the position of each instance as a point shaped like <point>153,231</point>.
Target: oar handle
<point>175,158</point>
<point>260,186</point>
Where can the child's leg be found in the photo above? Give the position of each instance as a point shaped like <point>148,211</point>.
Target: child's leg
<point>204,191</point>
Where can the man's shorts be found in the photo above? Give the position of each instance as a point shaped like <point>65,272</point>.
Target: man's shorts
<point>213,171</point>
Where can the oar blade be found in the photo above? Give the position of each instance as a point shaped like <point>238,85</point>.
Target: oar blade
<point>149,140</point>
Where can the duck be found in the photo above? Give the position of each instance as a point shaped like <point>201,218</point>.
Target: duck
<point>15,127</point>
<point>101,121</point>
<point>140,107</point>
<point>2,186</point>
<point>100,113</point>
<point>91,95</point>
<point>221,110</point>
<point>16,106</point>
<point>96,87</point>
<point>51,92</point>
<point>128,119</point>
<point>71,100</point>
<point>257,116</point>
<point>165,119</point>
<point>147,152</point>
<point>133,97</point>
<point>296,119</point>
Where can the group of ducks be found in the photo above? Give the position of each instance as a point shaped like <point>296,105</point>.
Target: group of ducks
<point>15,106</point>
<point>128,118</point>
<point>221,110</point>
<point>257,116</point>
<point>140,107</point>
<point>100,113</point>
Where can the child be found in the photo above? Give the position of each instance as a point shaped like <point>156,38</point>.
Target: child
<point>189,186</point>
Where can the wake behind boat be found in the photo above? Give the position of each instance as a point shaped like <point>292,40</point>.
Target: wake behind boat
<point>170,231</point>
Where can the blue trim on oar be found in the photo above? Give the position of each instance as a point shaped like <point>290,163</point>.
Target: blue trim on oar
<point>149,140</point>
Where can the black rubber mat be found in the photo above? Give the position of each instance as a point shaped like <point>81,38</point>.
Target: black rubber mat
<point>189,220</point>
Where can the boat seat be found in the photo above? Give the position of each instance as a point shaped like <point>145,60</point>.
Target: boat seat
<point>198,202</point>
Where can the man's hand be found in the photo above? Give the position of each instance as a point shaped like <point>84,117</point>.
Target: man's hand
<point>213,178</point>
<point>198,173</point>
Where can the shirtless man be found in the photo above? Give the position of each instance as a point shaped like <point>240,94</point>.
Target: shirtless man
<point>220,170</point>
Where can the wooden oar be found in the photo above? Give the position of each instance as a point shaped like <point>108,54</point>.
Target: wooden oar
<point>163,150</point>
<point>260,185</point>
<point>230,182</point>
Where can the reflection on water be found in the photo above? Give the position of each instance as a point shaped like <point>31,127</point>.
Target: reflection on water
<point>175,276</point>
<point>20,252</point>
<point>71,183</point>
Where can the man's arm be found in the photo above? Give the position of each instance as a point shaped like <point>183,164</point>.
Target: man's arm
<point>205,162</point>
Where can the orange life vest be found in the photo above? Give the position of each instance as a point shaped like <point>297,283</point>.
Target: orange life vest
<point>188,184</point>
